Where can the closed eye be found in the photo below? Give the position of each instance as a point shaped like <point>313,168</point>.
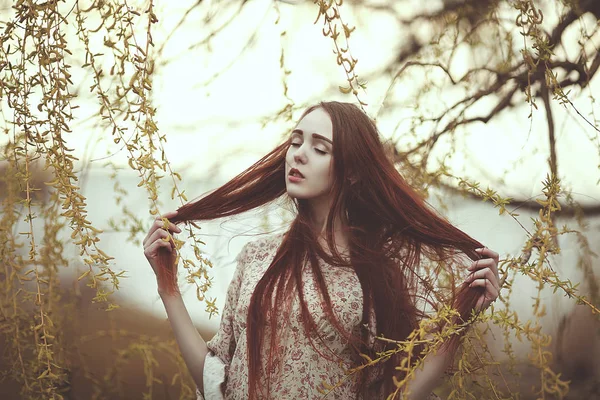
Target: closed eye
<point>319,151</point>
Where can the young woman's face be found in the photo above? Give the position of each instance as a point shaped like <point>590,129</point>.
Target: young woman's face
<point>309,159</point>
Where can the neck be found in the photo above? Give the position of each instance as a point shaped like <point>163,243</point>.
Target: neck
<point>319,218</point>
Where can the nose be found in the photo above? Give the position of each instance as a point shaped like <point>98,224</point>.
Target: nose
<point>300,155</point>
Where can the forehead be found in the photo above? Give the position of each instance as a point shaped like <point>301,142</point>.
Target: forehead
<point>317,121</point>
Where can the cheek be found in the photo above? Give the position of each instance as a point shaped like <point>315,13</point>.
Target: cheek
<point>289,157</point>
<point>327,173</point>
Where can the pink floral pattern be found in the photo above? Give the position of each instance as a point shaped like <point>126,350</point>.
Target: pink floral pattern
<point>304,365</point>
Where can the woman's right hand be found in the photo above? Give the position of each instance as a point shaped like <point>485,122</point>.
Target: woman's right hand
<point>154,240</point>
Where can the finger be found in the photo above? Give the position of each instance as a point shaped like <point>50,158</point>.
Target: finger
<point>150,232</point>
<point>157,235</point>
<point>486,252</point>
<point>494,293</point>
<point>480,283</point>
<point>172,227</point>
<point>489,297</point>
<point>156,225</point>
<point>486,262</point>
<point>159,222</point>
<point>480,264</point>
<point>490,291</point>
<point>493,265</point>
<point>485,273</point>
<point>159,225</point>
<point>166,215</point>
<point>152,250</point>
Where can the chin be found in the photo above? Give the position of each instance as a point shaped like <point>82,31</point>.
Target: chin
<point>294,195</point>
<point>297,194</point>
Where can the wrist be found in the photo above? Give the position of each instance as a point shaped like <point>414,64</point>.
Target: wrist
<point>168,292</point>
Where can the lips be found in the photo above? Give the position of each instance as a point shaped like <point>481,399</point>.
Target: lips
<point>296,173</point>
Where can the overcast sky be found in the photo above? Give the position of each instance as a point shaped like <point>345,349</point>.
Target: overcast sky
<point>218,124</point>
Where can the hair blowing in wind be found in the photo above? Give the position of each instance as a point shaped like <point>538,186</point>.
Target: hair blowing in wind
<point>389,228</point>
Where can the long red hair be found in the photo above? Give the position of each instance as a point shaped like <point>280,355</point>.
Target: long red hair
<point>389,227</point>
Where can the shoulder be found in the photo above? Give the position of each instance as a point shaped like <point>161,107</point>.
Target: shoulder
<point>260,248</point>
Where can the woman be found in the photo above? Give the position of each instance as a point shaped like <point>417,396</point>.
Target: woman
<point>303,306</point>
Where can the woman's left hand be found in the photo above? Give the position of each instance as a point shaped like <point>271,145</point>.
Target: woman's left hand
<point>484,273</point>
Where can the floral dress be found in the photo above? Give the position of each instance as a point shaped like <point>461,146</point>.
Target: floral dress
<point>303,368</point>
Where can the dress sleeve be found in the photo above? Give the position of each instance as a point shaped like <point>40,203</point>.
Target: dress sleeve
<point>222,346</point>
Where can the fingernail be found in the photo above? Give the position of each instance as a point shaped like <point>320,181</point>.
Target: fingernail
<point>479,249</point>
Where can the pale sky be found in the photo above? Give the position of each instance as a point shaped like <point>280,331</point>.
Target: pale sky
<point>204,125</point>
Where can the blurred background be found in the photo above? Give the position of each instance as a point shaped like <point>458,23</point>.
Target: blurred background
<point>111,110</point>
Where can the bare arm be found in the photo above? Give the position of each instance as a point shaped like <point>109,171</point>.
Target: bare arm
<point>191,344</point>
<point>483,273</point>
<point>428,377</point>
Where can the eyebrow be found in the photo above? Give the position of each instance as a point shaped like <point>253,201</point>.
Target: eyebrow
<point>315,135</point>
